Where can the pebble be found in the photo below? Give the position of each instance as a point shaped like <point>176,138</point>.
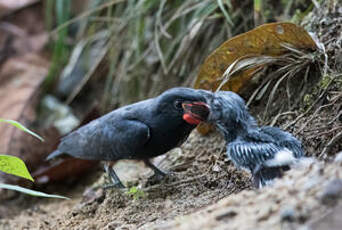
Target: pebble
<point>338,158</point>
<point>288,214</point>
<point>331,192</point>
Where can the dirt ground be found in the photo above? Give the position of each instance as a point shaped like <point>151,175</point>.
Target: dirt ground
<point>204,192</point>
<point>199,179</point>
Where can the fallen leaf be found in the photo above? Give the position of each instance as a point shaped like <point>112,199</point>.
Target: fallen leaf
<point>63,169</point>
<point>20,79</point>
<point>253,49</point>
<point>7,7</point>
<point>265,40</point>
<point>23,32</point>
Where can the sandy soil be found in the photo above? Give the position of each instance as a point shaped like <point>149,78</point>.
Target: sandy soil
<point>204,192</point>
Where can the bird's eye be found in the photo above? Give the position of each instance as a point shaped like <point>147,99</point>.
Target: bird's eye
<point>177,104</point>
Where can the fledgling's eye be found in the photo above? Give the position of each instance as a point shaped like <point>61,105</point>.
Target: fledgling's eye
<point>177,104</point>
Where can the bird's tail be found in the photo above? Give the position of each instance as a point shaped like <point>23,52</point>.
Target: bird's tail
<point>265,175</point>
<point>54,154</point>
<point>303,162</point>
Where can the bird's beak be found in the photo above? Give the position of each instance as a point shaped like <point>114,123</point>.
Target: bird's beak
<point>195,112</point>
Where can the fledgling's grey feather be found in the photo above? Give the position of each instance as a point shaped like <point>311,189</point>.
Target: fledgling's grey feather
<point>264,151</point>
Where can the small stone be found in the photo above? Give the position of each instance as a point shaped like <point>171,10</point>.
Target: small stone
<point>226,215</point>
<point>288,214</point>
<point>113,225</point>
<point>91,195</point>
<point>216,168</point>
<point>338,158</point>
<point>264,213</point>
<point>332,191</point>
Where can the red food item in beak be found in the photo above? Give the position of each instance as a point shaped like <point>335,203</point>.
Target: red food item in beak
<point>190,119</point>
<point>195,112</point>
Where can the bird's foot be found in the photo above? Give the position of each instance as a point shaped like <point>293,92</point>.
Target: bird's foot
<point>158,178</point>
<point>160,175</point>
<point>154,179</point>
<point>116,182</point>
<point>157,172</point>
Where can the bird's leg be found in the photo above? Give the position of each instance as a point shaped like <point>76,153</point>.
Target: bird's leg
<point>157,172</point>
<point>116,183</point>
<point>256,176</point>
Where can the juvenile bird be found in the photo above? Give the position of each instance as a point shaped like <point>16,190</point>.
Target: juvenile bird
<point>264,151</point>
<point>138,131</point>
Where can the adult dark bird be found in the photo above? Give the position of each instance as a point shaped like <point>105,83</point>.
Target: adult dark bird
<point>138,131</point>
<point>264,151</point>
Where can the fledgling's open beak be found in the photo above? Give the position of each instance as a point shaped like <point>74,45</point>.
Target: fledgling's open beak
<point>195,112</point>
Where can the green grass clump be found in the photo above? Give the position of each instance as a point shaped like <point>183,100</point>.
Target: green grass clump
<point>152,45</point>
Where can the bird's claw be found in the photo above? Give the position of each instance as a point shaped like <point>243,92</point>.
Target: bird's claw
<point>157,172</point>
<point>157,178</point>
<point>116,183</point>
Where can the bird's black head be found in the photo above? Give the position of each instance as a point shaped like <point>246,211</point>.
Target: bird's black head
<point>173,102</point>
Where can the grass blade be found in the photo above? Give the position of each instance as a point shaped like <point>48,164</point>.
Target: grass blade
<point>225,13</point>
<point>21,127</point>
<point>30,192</point>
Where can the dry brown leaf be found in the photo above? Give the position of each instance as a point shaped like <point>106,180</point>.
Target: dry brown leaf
<point>266,40</point>
<point>22,71</point>
<point>65,168</point>
<point>23,32</point>
<point>20,79</point>
<point>62,170</point>
<point>8,6</point>
<point>21,74</point>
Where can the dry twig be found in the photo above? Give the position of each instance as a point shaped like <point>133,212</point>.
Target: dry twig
<point>330,144</point>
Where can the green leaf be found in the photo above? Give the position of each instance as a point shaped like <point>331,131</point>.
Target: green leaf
<point>30,192</point>
<point>21,127</point>
<point>136,193</point>
<point>15,166</point>
<point>225,13</point>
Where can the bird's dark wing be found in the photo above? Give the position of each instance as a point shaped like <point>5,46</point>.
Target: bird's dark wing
<point>256,135</point>
<point>106,140</point>
<point>250,154</point>
<point>284,139</point>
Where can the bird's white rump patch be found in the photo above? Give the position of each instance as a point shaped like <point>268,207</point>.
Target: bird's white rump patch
<point>283,157</point>
<point>304,162</point>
